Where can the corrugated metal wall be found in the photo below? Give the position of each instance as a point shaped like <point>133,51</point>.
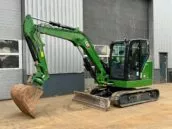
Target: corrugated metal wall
<point>162,30</point>
<point>62,56</point>
<point>10,19</point>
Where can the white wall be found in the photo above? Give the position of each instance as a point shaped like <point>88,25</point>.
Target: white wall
<point>10,19</point>
<point>62,56</point>
<point>10,29</point>
<point>162,30</point>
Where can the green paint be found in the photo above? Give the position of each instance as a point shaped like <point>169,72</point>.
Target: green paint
<point>146,79</point>
<point>79,39</point>
<point>131,84</point>
<point>30,31</point>
<point>147,70</point>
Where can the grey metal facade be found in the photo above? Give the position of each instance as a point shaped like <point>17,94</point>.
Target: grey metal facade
<point>10,28</point>
<point>162,35</point>
<point>162,30</point>
<point>10,23</point>
<point>62,56</point>
<point>109,20</point>
<point>64,60</point>
<point>8,78</point>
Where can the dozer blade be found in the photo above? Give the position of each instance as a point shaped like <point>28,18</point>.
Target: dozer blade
<point>26,97</point>
<point>92,100</point>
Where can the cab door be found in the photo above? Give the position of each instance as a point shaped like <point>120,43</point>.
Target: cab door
<point>137,57</point>
<point>117,61</point>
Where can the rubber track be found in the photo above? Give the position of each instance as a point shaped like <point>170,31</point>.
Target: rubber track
<point>115,98</point>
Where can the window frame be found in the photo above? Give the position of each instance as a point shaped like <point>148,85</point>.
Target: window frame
<point>14,54</point>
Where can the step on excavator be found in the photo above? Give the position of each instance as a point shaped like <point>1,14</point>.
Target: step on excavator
<point>124,81</point>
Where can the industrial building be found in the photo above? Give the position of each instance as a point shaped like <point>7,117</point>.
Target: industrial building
<point>124,44</point>
<point>103,21</point>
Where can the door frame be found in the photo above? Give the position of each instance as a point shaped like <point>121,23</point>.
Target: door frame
<point>166,65</point>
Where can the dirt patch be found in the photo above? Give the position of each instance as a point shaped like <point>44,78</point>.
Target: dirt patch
<point>60,112</point>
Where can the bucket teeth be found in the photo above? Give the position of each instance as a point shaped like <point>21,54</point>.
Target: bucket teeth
<point>92,100</point>
<point>26,97</point>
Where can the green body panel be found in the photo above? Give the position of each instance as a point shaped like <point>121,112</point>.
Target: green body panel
<point>147,70</point>
<point>146,79</point>
<point>132,84</point>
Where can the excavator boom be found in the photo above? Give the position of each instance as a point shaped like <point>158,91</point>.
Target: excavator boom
<point>26,97</point>
<point>32,34</point>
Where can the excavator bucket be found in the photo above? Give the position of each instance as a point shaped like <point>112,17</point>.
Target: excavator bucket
<point>26,97</point>
<point>92,100</point>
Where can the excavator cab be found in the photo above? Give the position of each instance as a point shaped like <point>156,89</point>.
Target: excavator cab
<point>127,59</point>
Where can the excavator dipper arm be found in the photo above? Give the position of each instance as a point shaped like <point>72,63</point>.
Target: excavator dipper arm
<point>27,96</point>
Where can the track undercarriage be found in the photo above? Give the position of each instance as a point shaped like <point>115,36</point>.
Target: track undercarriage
<point>104,97</point>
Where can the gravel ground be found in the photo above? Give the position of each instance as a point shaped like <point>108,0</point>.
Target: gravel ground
<point>61,113</point>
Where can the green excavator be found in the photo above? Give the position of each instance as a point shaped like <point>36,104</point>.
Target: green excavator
<point>124,81</point>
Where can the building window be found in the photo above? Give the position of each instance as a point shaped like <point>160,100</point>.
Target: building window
<point>103,52</point>
<point>10,54</point>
